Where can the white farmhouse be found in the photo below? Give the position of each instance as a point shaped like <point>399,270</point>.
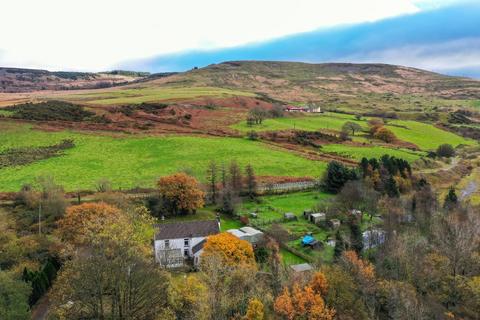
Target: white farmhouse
<point>178,242</point>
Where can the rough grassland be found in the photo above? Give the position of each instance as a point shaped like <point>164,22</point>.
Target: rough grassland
<point>358,153</point>
<point>425,136</point>
<point>138,161</point>
<point>151,94</point>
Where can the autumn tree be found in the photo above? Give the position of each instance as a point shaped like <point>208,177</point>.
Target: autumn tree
<point>189,299</point>
<point>230,249</point>
<point>344,294</point>
<point>180,193</point>
<point>251,182</point>
<point>351,127</point>
<point>305,303</point>
<point>255,310</point>
<point>385,135</point>
<point>83,223</point>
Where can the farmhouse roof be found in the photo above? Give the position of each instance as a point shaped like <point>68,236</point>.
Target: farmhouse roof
<point>190,229</point>
<point>198,246</point>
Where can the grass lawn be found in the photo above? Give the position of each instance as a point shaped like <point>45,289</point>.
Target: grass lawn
<point>289,258</point>
<point>367,151</point>
<point>151,94</point>
<point>332,121</point>
<point>138,161</point>
<point>274,206</point>
<point>425,136</point>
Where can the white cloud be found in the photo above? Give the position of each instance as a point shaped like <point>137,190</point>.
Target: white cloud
<point>441,57</point>
<point>97,34</point>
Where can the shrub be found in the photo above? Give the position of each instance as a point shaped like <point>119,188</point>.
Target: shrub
<point>50,111</point>
<point>385,134</point>
<point>445,150</point>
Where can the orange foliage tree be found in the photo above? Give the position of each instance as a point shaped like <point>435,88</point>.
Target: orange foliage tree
<point>306,303</point>
<point>230,249</point>
<point>385,134</point>
<point>83,223</point>
<point>180,193</point>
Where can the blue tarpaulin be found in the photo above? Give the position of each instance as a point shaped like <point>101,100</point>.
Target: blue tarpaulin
<point>308,239</point>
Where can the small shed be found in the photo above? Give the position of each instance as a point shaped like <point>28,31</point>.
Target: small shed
<point>310,241</point>
<point>356,212</point>
<point>331,242</point>
<point>255,235</point>
<point>289,216</point>
<point>307,213</point>
<point>317,217</point>
<point>303,267</point>
<point>249,234</point>
<point>253,215</point>
<point>335,223</point>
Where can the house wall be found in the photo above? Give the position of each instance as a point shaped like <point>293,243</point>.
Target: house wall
<point>177,244</point>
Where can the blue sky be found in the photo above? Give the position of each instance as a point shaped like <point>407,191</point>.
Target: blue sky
<point>153,35</point>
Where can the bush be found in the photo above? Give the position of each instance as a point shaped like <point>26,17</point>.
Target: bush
<point>50,111</point>
<point>385,134</point>
<point>252,135</point>
<point>445,150</point>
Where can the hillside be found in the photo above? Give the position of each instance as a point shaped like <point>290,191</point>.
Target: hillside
<point>14,80</point>
<point>303,81</point>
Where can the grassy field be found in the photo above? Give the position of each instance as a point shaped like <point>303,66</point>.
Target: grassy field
<point>273,207</point>
<point>358,153</point>
<point>138,161</point>
<point>331,121</point>
<point>425,136</point>
<point>150,94</point>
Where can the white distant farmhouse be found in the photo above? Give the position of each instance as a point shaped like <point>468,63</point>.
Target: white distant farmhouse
<point>177,242</point>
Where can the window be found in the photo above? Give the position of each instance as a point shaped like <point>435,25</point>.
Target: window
<point>167,243</point>
<point>185,252</point>
<point>186,242</point>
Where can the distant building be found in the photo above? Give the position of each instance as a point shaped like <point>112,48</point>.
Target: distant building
<point>303,267</point>
<point>176,243</point>
<point>373,238</point>
<point>289,216</point>
<point>249,234</point>
<point>317,217</point>
<point>295,109</point>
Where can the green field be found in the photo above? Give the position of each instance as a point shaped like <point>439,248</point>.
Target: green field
<point>151,94</point>
<point>425,136</point>
<point>358,153</point>
<point>138,161</point>
<point>273,207</point>
<point>330,121</point>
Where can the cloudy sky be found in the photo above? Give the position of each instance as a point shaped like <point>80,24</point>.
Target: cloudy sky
<point>95,35</point>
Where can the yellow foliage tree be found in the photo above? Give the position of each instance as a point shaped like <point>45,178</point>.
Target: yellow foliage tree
<point>181,192</point>
<point>230,249</point>
<point>255,310</point>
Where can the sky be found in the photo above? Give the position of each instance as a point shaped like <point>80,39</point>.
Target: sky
<point>96,35</point>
